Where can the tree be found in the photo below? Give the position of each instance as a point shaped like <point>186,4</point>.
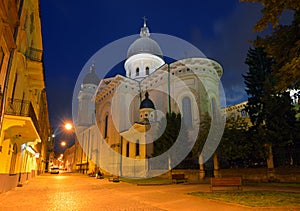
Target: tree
<point>272,11</point>
<point>271,111</point>
<point>283,45</point>
<point>259,68</point>
<point>236,147</point>
<point>205,122</point>
<point>168,138</point>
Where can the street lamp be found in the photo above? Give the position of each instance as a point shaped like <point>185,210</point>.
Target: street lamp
<point>68,126</point>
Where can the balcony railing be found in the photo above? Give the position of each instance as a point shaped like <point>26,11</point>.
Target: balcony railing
<point>34,54</point>
<point>24,108</point>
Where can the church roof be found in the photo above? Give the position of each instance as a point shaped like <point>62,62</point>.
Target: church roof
<point>144,44</point>
<point>91,77</point>
<point>147,103</point>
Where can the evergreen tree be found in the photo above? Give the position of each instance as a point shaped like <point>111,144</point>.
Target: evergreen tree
<point>205,122</point>
<point>259,69</point>
<point>271,112</point>
<point>168,138</point>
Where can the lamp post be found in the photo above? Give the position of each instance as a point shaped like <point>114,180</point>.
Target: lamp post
<point>65,128</point>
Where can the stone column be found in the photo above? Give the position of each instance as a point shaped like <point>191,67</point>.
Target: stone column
<point>216,166</point>
<point>202,170</point>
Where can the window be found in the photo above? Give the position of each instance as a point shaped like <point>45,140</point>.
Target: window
<point>14,87</point>
<point>106,126</point>
<point>244,113</point>
<point>1,57</point>
<point>137,148</point>
<point>13,160</point>
<point>127,149</point>
<point>147,70</point>
<point>187,111</point>
<point>214,107</point>
<point>137,71</point>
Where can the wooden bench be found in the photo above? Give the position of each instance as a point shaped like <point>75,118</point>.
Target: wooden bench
<point>113,178</point>
<point>179,178</point>
<point>226,182</point>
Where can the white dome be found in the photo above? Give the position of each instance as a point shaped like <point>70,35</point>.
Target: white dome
<point>144,56</point>
<point>144,45</point>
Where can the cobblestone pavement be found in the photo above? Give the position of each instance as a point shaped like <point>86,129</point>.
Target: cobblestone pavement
<point>78,192</point>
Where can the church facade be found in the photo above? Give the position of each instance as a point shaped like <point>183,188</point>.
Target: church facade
<point>129,109</point>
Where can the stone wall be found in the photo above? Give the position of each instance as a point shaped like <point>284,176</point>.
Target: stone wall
<point>291,174</point>
<point>8,182</point>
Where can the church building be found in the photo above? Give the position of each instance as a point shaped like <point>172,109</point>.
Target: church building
<point>128,109</point>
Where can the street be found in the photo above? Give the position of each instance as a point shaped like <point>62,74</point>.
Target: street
<point>80,192</point>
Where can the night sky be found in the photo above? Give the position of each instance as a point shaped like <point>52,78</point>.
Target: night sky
<point>74,30</point>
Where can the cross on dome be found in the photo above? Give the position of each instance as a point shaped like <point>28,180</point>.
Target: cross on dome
<point>145,20</point>
<point>92,68</point>
<point>145,30</point>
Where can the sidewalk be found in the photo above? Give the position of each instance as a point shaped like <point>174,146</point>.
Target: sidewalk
<point>81,192</point>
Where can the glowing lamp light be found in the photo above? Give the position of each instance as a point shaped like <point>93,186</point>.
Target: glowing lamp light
<point>63,143</point>
<point>68,126</point>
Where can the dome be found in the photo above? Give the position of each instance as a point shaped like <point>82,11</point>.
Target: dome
<point>91,77</point>
<point>144,44</point>
<point>147,103</point>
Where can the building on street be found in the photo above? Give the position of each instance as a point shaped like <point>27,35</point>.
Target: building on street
<point>25,127</point>
<point>193,84</point>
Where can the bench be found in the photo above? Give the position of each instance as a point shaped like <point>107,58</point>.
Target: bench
<point>113,178</point>
<point>226,182</point>
<point>179,178</point>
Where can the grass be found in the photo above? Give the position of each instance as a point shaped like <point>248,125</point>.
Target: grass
<point>255,198</point>
<point>148,181</point>
<point>273,184</point>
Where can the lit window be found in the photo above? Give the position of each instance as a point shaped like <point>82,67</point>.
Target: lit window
<point>137,148</point>
<point>187,111</point>
<point>106,126</point>
<point>127,149</point>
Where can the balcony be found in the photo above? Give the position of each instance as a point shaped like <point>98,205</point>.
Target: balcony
<point>34,54</point>
<point>20,121</point>
<point>35,69</point>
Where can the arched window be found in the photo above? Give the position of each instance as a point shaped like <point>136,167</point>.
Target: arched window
<point>213,107</point>
<point>137,148</point>
<point>127,149</point>
<point>106,126</point>
<point>147,70</point>
<point>137,71</point>
<point>187,111</point>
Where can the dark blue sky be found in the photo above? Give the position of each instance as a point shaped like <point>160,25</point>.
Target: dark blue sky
<point>74,30</point>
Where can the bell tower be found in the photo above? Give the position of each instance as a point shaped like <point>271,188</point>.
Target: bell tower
<point>86,107</point>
